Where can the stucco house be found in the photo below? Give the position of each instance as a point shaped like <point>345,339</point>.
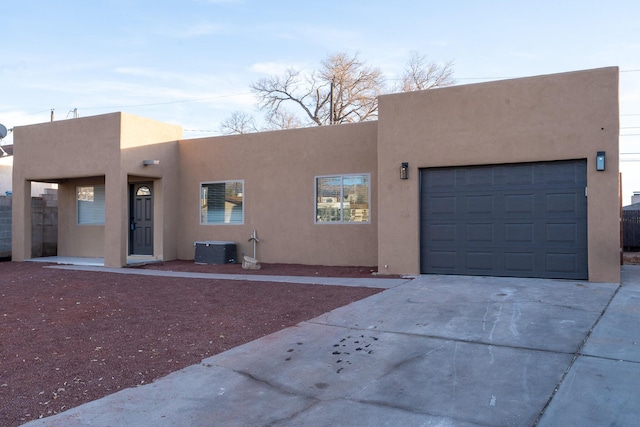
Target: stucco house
<point>6,173</point>
<point>509,178</point>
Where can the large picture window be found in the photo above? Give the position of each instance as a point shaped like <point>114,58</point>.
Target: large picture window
<point>222,202</point>
<point>90,203</point>
<point>343,199</point>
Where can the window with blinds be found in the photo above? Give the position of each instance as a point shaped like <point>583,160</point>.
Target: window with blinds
<point>90,205</point>
<point>222,202</point>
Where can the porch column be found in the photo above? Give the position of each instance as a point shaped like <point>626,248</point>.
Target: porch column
<point>116,220</point>
<point>21,220</point>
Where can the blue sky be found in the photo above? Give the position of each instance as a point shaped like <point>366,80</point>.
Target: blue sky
<point>190,62</point>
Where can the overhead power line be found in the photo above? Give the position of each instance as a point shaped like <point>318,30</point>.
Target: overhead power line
<point>113,107</point>
<point>200,130</point>
<point>168,102</point>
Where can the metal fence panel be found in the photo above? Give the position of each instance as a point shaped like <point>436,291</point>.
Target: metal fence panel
<point>631,229</point>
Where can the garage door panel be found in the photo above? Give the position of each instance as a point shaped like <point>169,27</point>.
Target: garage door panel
<point>518,174</point>
<point>562,233</point>
<point>480,261</point>
<point>519,233</point>
<point>519,262</point>
<point>445,205</point>
<point>480,233</point>
<point>526,220</point>
<point>443,179</point>
<point>561,262</point>
<point>519,203</point>
<point>443,260</point>
<point>562,202</point>
<point>483,204</point>
<point>477,177</point>
<point>442,233</point>
<point>562,173</point>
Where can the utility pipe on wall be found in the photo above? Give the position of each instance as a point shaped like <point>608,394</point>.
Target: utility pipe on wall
<point>255,239</point>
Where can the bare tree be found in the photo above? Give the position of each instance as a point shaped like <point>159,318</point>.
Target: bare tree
<point>283,119</point>
<point>238,123</point>
<point>272,92</point>
<point>421,74</point>
<point>343,90</point>
<point>355,89</point>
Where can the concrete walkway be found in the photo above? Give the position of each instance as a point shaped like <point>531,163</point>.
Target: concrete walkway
<point>311,280</point>
<point>433,351</point>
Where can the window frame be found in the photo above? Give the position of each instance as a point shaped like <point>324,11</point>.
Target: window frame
<point>201,205</point>
<point>97,211</point>
<point>342,198</point>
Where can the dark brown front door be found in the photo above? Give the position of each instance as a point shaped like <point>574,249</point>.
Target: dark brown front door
<point>141,217</point>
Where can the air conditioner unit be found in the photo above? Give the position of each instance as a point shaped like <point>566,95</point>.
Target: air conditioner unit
<point>214,252</point>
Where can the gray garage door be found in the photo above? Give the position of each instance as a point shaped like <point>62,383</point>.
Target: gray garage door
<point>519,220</point>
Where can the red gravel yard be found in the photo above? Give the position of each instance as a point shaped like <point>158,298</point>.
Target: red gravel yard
<point>68,337</point>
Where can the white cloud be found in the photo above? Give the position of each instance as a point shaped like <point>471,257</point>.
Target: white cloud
<point>272,68</point>
<point>335,39</point>
<point>441,43</point>
<point>135,71</point>
<point>531,56</point>
<point>198,30</point>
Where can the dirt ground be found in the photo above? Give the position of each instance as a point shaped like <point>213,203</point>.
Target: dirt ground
<point>69,337</point>
<point>632,258</point>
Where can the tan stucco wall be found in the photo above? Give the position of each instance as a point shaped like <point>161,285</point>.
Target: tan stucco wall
<point>74,238</point>
<point>71,152</point>
<point>139,131</point>
<point>561,116</point>
<point>166,192</point>
<point>89,146</point>
<point>279,170</point>
<point>54,152</point>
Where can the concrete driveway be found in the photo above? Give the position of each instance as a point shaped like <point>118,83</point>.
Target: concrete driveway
<point>432,351</point>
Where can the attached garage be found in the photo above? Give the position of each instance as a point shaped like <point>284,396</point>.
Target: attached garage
<point>479,179</point>
<point>518,220</point>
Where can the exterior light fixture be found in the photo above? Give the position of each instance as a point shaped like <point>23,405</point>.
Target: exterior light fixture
<point>600,161</point>
<point>404,170</point>
<point>150,162</point>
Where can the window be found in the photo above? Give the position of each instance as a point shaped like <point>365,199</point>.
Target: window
<point>143,191</point>
<point>342,199</point>
<point>221,202</point>
<point>90,201</point>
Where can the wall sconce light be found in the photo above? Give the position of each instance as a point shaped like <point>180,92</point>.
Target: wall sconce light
<point>150,162</point>
<point>600,161</point>
<point>404,170</point>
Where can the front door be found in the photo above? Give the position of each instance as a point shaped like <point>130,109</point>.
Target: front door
<point>141,218</point>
